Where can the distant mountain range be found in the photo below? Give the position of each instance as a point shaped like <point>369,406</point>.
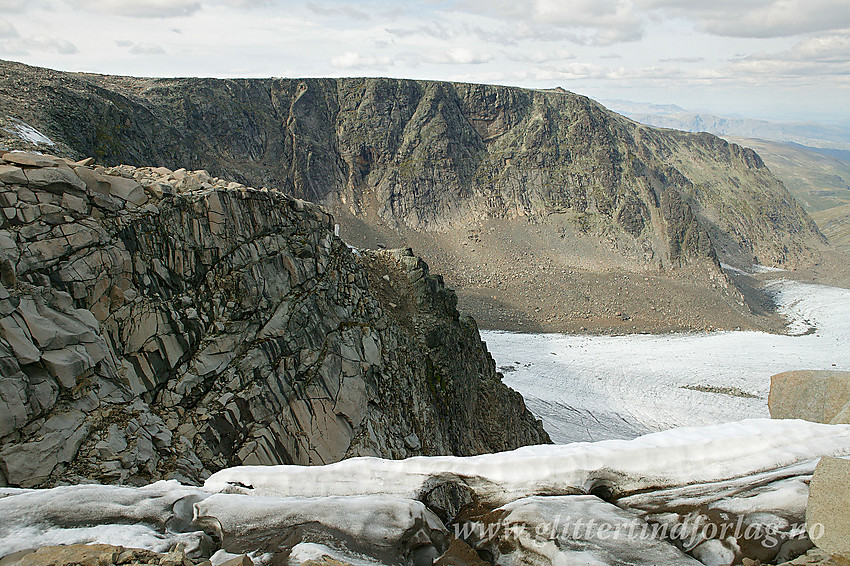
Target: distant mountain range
<point>828,136</point>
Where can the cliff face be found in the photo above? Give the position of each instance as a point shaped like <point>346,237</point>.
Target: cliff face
<point>432,156</point>
<point>168,324</point>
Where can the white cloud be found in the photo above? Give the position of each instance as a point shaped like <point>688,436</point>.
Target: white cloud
<point>7,30</point>
<point>147,49</point>
<point>160,8</point>
<point>49,44</point>
<point>329,10</point>
<point>825,48</point>
<point>824,59</point>
<point>460,56</point>
<point>608,22</point>
<point>351,60</point>
<point>586,22</point>
<point>14,5</point>
<point>141,8</point>
<point>674,44</point>
<point>681,59</point>
<point>432,29</point>
<point>540,56</point>
<point>756,18</point>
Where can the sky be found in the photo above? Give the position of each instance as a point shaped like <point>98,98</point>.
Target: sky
<point>772,59</point>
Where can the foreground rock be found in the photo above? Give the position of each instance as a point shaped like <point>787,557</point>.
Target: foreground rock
<point>577,529</point>
<point>101,555</point>
<point>821,396</point>
<point>166,324</point>
<point>719,495</point>
<point>828,513</point>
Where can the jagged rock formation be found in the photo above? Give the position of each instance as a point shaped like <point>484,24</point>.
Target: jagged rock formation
<point>404,161</point>
<point>158,323</point>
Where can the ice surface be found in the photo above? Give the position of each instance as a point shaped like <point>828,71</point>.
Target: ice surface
<point>779,488</point>
<point>363,509</point>
<point>601,387</point>
<point>664,459</point>
<point>716,520</point>
<point>154,517</point>
<point>304,551</point>
<point>376,521</point>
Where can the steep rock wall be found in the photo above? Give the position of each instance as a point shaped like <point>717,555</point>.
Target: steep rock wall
<point>158,323</point>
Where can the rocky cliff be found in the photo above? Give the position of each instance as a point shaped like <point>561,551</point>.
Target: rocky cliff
<point>158,323</point>
<point>440,164</point>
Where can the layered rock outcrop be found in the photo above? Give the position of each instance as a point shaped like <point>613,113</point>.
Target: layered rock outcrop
<point>158,323</point>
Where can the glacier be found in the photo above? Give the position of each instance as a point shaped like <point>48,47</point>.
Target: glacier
<point>588,388</point>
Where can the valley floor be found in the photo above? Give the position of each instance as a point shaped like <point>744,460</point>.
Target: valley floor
<point>588,388</point>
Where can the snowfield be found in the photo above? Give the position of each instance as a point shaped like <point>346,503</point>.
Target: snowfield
<point>27,132</point>
<point>588,388</point>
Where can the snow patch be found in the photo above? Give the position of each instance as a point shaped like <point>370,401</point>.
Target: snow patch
<point>306,551</point>
<point>27,133</point>
<point>766,269</point>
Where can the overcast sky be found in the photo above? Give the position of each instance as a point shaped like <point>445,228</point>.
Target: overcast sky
<point>780,59</point>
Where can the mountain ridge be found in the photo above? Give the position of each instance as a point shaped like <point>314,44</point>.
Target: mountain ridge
<point>432,162</point>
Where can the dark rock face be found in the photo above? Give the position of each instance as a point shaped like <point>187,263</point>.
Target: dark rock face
<point>168,324</point>
<point>431,156</point>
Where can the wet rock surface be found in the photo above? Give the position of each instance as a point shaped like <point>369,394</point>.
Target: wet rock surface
<point>166,324</point>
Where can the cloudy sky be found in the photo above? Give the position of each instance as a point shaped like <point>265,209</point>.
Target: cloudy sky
<point>779,59</point>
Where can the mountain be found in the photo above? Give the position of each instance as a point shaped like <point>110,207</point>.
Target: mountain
<point>544,209</point>
<point>167,324</point>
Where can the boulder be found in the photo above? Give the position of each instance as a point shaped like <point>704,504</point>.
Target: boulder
<point>98,555</point>
<point>54,179</point>
<point>11,175</point>
<point>828,512</point>
<point>814,395</point>
<point>15,331</point>
<point>31,159</point>
<point>126,189</point>
<point>82,554</point>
